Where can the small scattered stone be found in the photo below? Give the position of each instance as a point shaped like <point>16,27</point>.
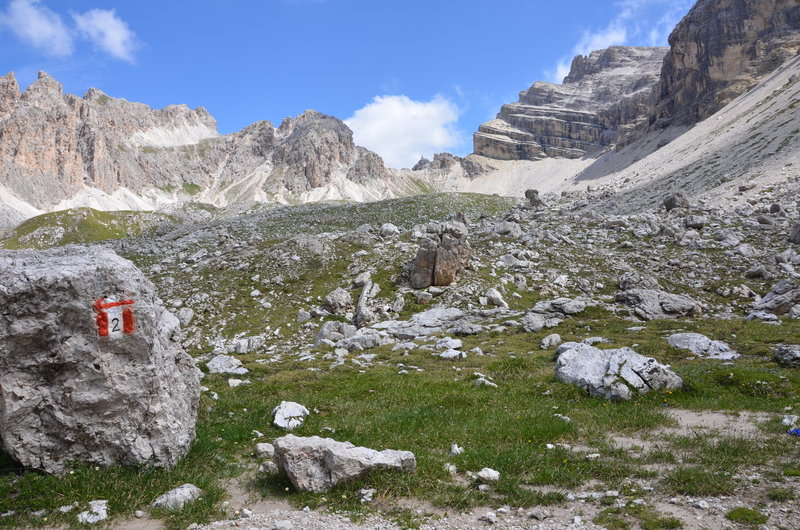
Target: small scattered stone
<point>177,498</point>
<point>488,475</point>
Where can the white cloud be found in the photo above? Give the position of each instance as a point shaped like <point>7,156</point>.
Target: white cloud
<point>402,130</point>
<point>625,28</point>
<point>108,32</point>
<point>38,26</point>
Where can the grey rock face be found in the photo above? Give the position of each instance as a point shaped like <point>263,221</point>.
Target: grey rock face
<point>443,255</point>
<point>719,50</point>
<point>317,464</point>
<point>53,360</point>
<point>605,94</point>
<point>702,346</point>
<point>613,374</point>
<point>650,304</point>
<point>177,498</point>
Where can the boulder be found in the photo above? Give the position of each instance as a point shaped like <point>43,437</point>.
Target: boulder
<point>702,346</point>
<point>443,255</point>
<point>612,374</point>
<point>784,295</point>
<point>495,299</point>
<point>794,237</point>
<point>389,230</point>
<point>289,415</point>
<point>676,200</point>
<point>534,199</point>
<point>788,356</point>
<point>177,498</point>
<point>338,301</point>
<point>317,464</point>
<point>550,341</point>
<point>91,367</point>
<point>226,364</point>
<point>650,304</point>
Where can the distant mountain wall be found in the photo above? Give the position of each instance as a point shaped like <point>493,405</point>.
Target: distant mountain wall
<point>605,94</point>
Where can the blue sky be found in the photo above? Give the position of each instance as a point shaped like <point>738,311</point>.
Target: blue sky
<point>411,78</point>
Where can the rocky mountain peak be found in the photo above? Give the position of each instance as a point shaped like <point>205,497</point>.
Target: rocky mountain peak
<point>45,92</point>
<point>9,93</point>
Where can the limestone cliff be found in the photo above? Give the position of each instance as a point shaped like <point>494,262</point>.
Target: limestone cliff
<point>605,94</point>
<point>720,50</point>
<point>54,147</point>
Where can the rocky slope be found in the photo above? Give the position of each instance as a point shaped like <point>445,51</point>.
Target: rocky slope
<point>720,50</point>
<point>604,95</point>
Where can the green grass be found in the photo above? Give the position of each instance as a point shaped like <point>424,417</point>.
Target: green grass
<point>77,225</point>
<point>746,516</point>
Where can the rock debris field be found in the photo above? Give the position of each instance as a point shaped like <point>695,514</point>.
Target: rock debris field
<point>555,367</point>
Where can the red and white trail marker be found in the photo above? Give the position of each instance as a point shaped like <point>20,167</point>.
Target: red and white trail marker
<point>114,317</point>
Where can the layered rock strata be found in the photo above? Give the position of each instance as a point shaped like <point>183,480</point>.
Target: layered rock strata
<point>605,94</point>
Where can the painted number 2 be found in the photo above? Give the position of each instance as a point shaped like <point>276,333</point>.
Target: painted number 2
<point>113,312</point>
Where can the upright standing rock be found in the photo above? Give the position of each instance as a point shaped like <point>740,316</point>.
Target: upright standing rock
<point>794,237</point>
<point>90,366</point>
<point>443,255</point>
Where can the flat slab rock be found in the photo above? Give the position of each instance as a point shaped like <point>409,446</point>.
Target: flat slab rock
<point>317,464</point>
<point>612,374</point>
<point>702,346</point>
<point>71,394</point>
<point>650,304</point>
<point>176,499</point>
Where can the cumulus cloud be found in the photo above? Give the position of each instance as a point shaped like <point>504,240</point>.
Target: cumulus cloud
<point>649,22</point>
<point>402,130</point>
<point>38,26</point>
<point>108,32</point>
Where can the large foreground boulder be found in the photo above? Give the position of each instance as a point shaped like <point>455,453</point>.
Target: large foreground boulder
<point>317,464</point>
<point>612,374</point>
<point>443,255</point>
<point>90,366</point>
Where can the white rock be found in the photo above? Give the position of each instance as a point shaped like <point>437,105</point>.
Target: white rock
<point>702,346</point>
<point>612,374</point>
<point>453,354</point>
<point>455,449</point>
<point>494,298</point>
<point>449,343</point>
<point>226,364</point>
<point>550,341</point>
<point>365,495</point>
<point>177,498</point>
<point>482,381</point>
<point>283,524</point>
<point>488,475</point>
<point>265,450</point>
<point>317,464</point>
<point>489,517</point>
<point>98,511</point>
<point>289,415</point>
